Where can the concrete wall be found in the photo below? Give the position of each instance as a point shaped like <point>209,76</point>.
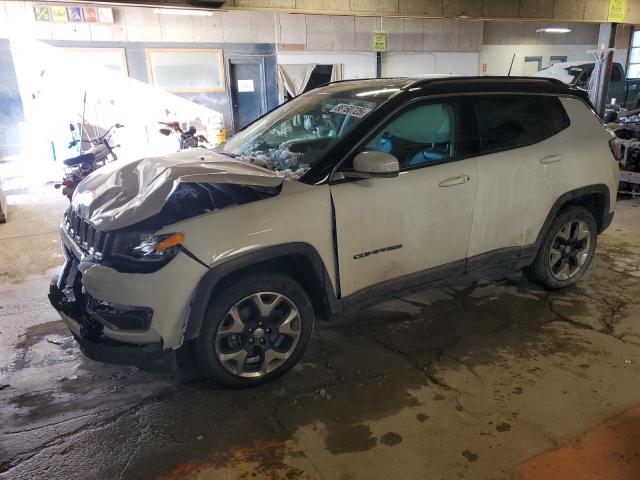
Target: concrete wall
<point>316,33</point>
<point>562,10</point>
<point>501,40</point>
<point>136,24</point>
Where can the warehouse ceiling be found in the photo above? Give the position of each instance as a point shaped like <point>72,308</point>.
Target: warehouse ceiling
<point>596,11</point>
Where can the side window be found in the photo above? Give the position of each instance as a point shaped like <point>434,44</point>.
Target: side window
<point>555,114</point>
<point>425,133</point>
<point>420,135</point>
<point>616,73</point>
<point>509,121</point>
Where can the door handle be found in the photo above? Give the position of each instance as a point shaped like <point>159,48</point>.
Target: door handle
<point>551,158</point>
<point>457,180</point>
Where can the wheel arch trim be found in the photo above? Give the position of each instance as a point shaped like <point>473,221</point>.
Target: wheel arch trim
<point>211,280</point>
<point>566,199</point>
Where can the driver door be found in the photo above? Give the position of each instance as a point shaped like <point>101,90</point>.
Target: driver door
<point>393,228</point>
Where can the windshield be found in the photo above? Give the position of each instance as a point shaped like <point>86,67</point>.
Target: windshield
<point>575,71</point>
<point>292,138</point>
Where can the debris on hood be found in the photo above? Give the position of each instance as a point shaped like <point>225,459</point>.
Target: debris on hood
<point>280,160</point>
<point>121,194</point>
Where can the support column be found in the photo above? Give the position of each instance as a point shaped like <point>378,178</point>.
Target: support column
<point>378,64</point>
<point>606,39</point>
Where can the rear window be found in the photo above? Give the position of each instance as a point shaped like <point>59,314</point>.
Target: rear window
<point>512,121</point>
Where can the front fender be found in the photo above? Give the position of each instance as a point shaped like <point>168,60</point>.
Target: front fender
<point>212,278</point>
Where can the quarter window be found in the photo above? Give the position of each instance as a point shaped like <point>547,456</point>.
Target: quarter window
<point>556,114</point>
<point>509,121</point>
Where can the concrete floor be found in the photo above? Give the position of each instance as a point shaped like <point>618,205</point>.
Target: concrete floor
<point>474,379</point>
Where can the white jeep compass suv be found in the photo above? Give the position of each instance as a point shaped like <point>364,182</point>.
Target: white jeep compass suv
<point>348,192</point>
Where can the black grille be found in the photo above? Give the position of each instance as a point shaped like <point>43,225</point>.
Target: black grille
<point>85,235</point>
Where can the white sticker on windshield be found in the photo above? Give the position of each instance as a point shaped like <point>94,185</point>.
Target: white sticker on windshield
<point>351,110</point>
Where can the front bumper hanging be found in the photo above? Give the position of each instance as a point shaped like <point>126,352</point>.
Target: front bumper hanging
<point>78,310</point>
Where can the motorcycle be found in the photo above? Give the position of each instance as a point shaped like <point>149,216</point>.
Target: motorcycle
<point>188,138</point>
<point>78,167</point>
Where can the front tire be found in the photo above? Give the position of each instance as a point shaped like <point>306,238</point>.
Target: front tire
<point>255,330</point>
<point>566,250</point>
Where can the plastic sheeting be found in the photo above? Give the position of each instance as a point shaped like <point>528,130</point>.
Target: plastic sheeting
<point>121,194</point>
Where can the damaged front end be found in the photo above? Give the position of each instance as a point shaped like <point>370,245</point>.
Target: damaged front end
<point>87,317</point>
<point>125,285</point>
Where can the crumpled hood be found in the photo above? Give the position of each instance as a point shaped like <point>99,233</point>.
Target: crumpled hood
<point>123,193</point>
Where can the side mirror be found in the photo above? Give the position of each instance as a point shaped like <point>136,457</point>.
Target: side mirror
<point>165,131</point>
<point>374,164</point>
<point>72,127</point>
<point>118,125</point>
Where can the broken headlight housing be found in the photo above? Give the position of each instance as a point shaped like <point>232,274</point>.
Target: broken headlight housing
<point>139,252</point>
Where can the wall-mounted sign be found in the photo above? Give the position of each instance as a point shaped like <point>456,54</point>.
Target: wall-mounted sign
<point>105,15</point>
<point>245,86</point>
<point>59,14</point>
<point>74,14</point>
<point>90,14</point>
<point>379,41</point>
<point>617,11</point>
<point>42,13</point>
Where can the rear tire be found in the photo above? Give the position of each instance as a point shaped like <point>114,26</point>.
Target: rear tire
<point>566,250</point>
<point>254,330</point>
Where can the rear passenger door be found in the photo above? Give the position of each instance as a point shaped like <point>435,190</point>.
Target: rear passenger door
<point>519,171</point>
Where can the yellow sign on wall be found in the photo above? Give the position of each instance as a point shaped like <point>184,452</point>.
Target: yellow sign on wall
<point>617,10</point>
<point>59,14</point>
<point>379,41</point>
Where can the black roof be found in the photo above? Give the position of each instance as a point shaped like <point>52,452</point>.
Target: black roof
<point>454,85</point>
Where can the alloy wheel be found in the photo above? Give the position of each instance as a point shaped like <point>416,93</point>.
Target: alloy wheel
<point>258,334</point>
<point>570,250</point>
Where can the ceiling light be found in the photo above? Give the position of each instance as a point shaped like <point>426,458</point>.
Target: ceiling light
<point>553,30</point>
<point>177,11</point>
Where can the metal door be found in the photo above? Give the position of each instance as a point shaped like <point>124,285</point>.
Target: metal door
<point>247,91</point>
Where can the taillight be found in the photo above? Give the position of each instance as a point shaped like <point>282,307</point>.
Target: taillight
<point>617,148</point>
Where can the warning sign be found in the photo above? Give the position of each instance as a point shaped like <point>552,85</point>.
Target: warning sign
<point>75,14</point>
<point>59,14</point>
<point>42,13</point>
<point>617,11</point>
<point>379,41</point>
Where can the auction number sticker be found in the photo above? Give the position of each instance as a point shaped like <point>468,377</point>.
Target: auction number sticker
<point>351,110</point>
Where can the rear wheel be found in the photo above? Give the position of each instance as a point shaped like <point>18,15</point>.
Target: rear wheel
<point>566,251</point>
<point>255,330</point>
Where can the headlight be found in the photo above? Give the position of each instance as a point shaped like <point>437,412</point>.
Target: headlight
<point>157,246</point>
<point>137,252</point>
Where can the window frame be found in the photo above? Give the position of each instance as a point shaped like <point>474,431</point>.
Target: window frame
<point>218,51</point>
<point>557,58</point>
<point>122,51</point>
<point>465,104</point>
<point>629,55</point>
<point>470,110</point>
<point>547,127</point>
